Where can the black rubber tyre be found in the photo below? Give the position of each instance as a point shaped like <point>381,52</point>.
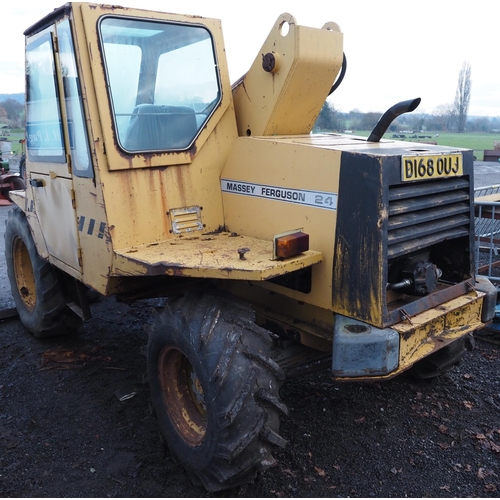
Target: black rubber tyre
<point>440,362</point>
<point>34,282</point>
<point>17,183</point>
<point>215,390</point>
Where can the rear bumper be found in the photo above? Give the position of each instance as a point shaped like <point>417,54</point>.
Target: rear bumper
<point>383,354</point>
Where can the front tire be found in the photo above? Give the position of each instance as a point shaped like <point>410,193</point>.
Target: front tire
<point>34,283</point>
<point>215,390</point>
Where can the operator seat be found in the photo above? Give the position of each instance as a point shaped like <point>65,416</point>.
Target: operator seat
<point>156,127</point>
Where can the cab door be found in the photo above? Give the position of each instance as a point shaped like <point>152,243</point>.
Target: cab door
<point>56,139</point>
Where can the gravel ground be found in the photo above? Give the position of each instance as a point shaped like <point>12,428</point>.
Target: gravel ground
<point>65,433</point>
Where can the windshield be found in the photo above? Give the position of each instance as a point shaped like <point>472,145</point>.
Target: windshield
<point>162,81</point>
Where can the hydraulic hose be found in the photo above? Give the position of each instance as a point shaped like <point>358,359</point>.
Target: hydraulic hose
<point>339,79</point>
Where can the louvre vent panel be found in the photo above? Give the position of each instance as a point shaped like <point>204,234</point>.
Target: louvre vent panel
<point>403,191</point>
<point>412,218</point>
<point>434,201</point>
<point>423,214</point>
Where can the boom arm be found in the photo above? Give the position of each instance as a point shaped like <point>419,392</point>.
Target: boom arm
<point>286,87</point>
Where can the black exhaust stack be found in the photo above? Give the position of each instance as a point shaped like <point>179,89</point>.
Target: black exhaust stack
<point>390,115</point>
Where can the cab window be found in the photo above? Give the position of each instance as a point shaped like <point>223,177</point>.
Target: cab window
<point>162,80</point>
<point>78,141</point>
<point>44,134</point>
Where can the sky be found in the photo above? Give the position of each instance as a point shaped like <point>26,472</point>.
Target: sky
<point>395,50</point>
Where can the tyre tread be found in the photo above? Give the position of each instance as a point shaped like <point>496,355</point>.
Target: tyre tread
<point>51,315</point>
<point>234,352</point>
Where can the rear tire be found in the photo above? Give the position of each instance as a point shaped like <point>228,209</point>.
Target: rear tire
<point>34,283</point>
<point>215,390</point>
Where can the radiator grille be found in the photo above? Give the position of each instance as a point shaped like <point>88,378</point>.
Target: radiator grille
<point>425,213</point>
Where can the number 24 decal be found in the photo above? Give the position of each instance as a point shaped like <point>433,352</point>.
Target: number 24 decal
<point>320,199</point>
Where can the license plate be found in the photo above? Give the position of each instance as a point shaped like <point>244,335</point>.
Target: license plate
<point>415,168</point>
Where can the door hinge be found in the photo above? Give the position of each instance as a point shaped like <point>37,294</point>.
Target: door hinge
<point>73,199</point>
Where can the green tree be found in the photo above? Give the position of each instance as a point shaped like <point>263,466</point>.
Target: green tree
<point>14,110</point>
<point>327,117</point>
<point>369,120</point>
<point>481,124</point>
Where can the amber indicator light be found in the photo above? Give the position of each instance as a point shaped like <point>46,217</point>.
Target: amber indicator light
<point>292,245</point>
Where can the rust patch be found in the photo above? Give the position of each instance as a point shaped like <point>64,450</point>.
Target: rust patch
<point>192,151</point>
<point>108,7</point>
<point>217,232</point>
<point>180,184</point>
<point>429,301</point>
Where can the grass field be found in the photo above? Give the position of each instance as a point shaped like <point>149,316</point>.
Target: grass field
<point>14,138</point>
<point>474,140</point>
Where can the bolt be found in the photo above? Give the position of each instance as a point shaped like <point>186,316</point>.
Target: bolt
<point>242,252</point>
<point>268,62</point>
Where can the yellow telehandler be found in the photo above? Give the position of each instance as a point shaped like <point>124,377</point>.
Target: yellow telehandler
<point>279,252</point>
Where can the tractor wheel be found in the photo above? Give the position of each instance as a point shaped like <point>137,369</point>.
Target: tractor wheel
<point>35,285</point>
<point>440,362</point>
<point>215,390</point>
<point>17,183</point>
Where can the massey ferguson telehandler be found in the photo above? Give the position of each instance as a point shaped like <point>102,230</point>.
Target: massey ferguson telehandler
<point>278,251</point>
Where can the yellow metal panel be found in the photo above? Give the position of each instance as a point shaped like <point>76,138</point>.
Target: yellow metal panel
<point>93,231</point>
<point>19,198</point>
<point>289,99</point>
<point>446,322</point>
<point>138,201</point>
<point>287,164</point>
<point>54,208</point>
<point>210,256</point>
<point>96,246</point>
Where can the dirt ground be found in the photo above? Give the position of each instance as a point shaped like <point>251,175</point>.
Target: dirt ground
<point>65,433</point>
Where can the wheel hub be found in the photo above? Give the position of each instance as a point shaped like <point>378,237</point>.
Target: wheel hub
<point>183,395</point>
<point>23,271</point>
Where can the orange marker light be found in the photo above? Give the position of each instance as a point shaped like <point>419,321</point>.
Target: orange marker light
<point>291,245</point>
